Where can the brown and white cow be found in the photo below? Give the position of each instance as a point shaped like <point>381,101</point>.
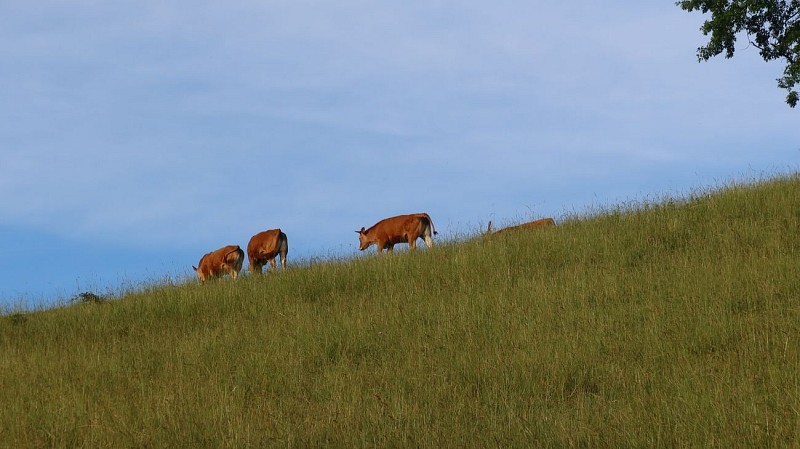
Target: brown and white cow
<point>541,223</point>
<point>400,229</point>
<point>264,247</point>
<point>226,260</point>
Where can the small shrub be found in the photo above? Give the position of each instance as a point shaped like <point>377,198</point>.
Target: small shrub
<point>17,319</point>
<point>88,297</point>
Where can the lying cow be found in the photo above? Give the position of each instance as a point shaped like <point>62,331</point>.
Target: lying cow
<point>541,223</point>
<point>227,260</point>
<point>264,247</point>
<point>400,229</point>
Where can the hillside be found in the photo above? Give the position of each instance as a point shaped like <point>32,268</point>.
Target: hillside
<point>648,325</point>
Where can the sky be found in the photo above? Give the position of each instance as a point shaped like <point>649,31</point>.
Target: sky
<point>137,136</point>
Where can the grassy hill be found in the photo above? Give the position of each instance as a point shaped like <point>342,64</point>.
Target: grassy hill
<point>674,324</point>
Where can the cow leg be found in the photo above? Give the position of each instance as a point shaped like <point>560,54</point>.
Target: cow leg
<point>255,267</point>
<point>283,261</point>
<point>390,247</point>
<point>272,264</point>
<point>428,240</point>
<point>412,244</point>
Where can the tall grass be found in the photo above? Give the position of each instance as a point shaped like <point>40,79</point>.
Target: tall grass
<point>666,324</point>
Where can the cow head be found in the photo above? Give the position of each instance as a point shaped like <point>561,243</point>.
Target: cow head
<point>363,240</point>
<point>200,276</point>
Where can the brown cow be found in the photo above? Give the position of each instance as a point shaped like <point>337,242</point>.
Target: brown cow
<point>265,246</point>
<point>227,260</point>
<point>541,223</point>
<point>400,229</point>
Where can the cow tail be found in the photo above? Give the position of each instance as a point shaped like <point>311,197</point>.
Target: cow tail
<point>433,228</point>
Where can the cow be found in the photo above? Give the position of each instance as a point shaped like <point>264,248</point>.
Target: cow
<point>265,246</point>
<point>226,260</point>
<point>400,229</point>
<point>541,223</point>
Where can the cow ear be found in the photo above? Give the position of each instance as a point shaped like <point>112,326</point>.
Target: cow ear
<point>194,268</point>
<point>362,230</point>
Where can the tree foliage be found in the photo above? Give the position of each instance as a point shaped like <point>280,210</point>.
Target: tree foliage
<point>770,25</point>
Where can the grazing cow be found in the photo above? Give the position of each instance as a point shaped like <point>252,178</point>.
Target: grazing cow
<point>400,229</point>
<point>541,223</point>
<point>227,260</point>
<point>265,246</point>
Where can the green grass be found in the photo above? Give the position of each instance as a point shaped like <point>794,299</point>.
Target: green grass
<point>668,324</point>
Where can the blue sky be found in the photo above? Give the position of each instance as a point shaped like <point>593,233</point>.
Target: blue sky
<point>136,136</point>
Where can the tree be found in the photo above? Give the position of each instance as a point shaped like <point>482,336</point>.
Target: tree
<point>770,25</point>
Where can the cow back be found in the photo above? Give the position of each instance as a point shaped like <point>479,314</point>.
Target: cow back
<point>541,223</point>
